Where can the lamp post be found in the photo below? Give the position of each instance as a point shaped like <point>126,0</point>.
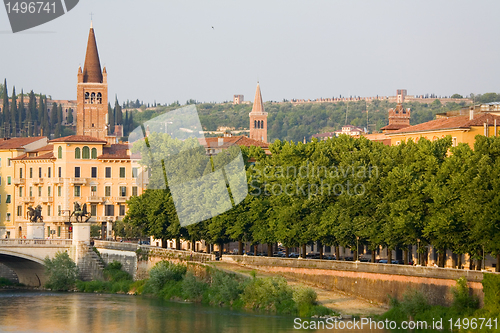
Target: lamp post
<point>357,248</point>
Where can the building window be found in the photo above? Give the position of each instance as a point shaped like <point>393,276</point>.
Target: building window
<point>49,191</point>
<point>108,172</point>
<point>122,172</point>
<point>77,153</point>
<point>77,191</point>
<point>59,152</point>
<point>123,191</point>
<point>109,210</point>
<point>40,172</point>
<point>49,172</point>
<point>8,216</point>
<point>9,180</point>
<point>59,191</point>
<point>59,231</point>
<point>8,199</point>
<point>93,189</point>
<point>77,172</point>
<point>19,210</point>
<point>86,153</point>
<point>135,172</point>
<point>454,142</point>
<point>20,191</point>
<point>59,172</point>
<point>134,191</point>
<point>20,172</point>
<point>94,153</point>
<point>94,172</point>
<point>59,210</point>
<point>8,161</point>
<point>31,191</point>
<point>122,210</point>
<point>93,210</point>
<point>39,191</point>
<point>31,172</point>
<point>0,162</point>
<point>48,210</point>
<point>107,191</point>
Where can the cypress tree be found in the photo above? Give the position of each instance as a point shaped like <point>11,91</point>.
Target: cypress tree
<point>40,117</point>
<point>5,108</point>
<point>125,124</point>
<point>58,122</point>
<point>53,117</point>
<point>69,121</point>
<point>45,123</point>
<point>118,113</point>
<point>13,113</point>
<point>29,112</point>
<point>21,114</point>
<point>111,119</point>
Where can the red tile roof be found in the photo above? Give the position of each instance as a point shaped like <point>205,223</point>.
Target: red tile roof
<point>116,151</point>
<point>18,143</point>
<point>228,141</point>
<point>450,123</point>
<point>79,138</point>
<point>394,127</point>
<point>46,156</point>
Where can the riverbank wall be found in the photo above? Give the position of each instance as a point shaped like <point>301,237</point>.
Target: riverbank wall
<point>375,282</point>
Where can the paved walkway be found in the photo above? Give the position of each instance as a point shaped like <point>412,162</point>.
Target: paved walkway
<point>333,299</point>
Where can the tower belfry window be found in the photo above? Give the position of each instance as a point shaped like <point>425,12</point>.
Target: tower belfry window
<point>99,98</point>
<point>87,98</point>
<point>92,98</point>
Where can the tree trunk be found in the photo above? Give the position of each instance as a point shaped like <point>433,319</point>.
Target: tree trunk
<point>355,254</point>
<point>337,252</point>
<point>405,256</point>
<point>459,261</point>
<point>163,243</point>
<point>287,251</point>
<point>373,255</point>
<point>320,249</point>
<point>221,249</point>
<point>177,243</point>
<point>303,255</point>
<point>193,246</point>
<point>471,263</point>
<point>479,264</point>
<point>389,256</point>
<point>240,247</point>
<point>442,257</point>
<point>208,249</point>
<point>269,249</point>
<point>497,268</point>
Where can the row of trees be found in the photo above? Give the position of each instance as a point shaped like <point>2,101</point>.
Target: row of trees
<point>345,192</point>
<point>115,117</point>
<point>35,118</point>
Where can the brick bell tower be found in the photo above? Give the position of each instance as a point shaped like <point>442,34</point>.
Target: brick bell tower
<point>258,118</point>
<point>92,94</point>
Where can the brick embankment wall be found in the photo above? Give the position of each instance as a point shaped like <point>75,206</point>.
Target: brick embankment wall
<point>374,282</point>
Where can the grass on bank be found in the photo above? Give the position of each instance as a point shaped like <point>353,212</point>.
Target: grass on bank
<point>465,306</point>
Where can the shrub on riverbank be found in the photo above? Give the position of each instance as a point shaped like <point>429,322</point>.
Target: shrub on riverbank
<point>115,281</point>
<point>61,271</point>
<point>216,287</point>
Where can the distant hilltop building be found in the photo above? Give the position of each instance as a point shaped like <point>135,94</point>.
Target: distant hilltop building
<point>238,99</point>
<point>347,130</point>
<point>399,117</point>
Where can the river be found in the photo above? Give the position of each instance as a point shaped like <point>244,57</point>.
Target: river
<point>40,311</point>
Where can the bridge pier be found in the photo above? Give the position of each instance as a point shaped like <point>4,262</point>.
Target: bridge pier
<point>88,262</point>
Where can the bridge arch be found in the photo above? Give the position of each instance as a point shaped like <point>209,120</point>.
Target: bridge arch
<point>29,270</point>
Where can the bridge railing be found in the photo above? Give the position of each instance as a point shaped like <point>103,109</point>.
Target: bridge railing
<point>32,242</point>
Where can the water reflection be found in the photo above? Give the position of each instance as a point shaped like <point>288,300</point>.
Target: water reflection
<point>26,311</point>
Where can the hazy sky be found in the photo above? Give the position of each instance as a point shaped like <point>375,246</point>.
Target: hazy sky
<point>167,50</point>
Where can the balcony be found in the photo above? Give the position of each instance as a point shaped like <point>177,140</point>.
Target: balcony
<point>46,199</point>
<point>27,199</point>
<point>95,199</point>
<point>57,180</point>
<point>37,180</point>
<point>18,181</point>
<point>121,199</point>
<point>78,181</point>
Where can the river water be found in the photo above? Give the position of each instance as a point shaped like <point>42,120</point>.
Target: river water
<point>33,311</point>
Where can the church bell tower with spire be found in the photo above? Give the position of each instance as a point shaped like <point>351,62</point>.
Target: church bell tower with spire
<point>258,118</point>
<point>92,94</point>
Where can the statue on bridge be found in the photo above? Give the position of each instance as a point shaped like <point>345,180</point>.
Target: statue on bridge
<point>35,214</point>
<point>80,212</point>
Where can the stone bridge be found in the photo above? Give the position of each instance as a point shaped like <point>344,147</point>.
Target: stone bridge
<point>25,257</point>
